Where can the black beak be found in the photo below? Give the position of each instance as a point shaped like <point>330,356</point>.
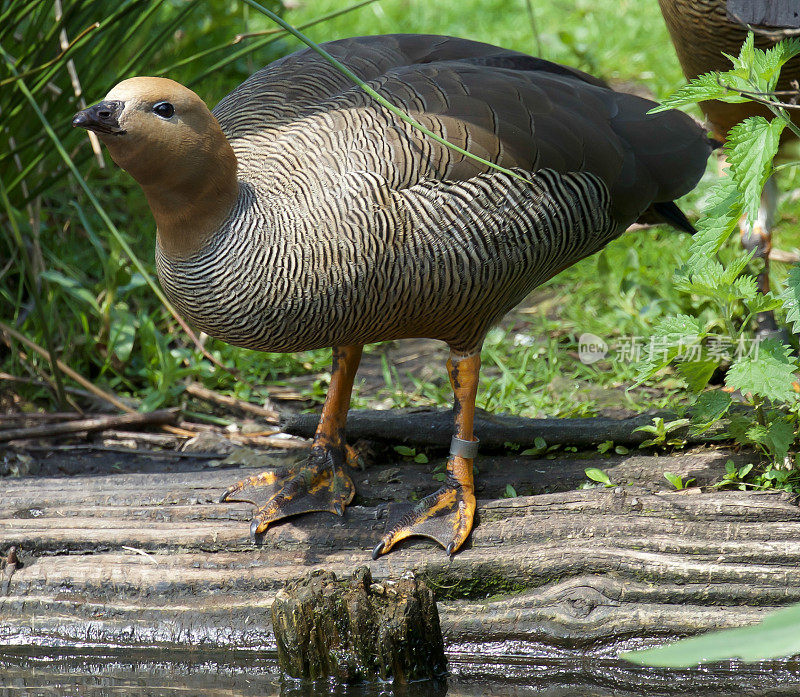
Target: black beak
<point>103,117</point>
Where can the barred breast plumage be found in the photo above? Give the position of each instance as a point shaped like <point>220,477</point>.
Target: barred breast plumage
<point>352,228</point>
<point>306,215</point>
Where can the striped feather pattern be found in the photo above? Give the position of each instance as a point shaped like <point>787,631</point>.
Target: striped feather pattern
<point>351,227</point>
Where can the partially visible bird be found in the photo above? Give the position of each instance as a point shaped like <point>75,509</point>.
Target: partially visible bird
<point>702,30</point>
<point>302,214</point>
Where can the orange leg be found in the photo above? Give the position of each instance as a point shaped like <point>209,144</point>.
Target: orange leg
<point>446,515</point>
<point>320,483</point>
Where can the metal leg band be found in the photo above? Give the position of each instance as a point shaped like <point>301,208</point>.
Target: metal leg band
<point>467,449</point>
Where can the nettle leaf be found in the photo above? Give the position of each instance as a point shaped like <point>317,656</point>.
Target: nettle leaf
<point>767,64</point>
<point>709,408</point>
<point>705,87</point>
<point>700,275</point>
<point>764,302</point>
<point>678,325</point>
<point>747,53</point>
<point>745,288</point>
<point>723,208</point>
<point>791,298</point>
<point>779,438</point>
<point>706,276</point>
<point>697,373</point>
<point>767,372</point>
<point>750,148</point>
<point>670,338</point>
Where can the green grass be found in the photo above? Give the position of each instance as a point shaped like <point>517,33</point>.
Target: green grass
<point>108,325</point>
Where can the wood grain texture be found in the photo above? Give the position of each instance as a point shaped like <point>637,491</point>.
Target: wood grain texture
<point>144,556</point>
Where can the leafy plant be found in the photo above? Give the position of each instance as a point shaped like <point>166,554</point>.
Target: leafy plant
<point>510,492</point>
<point>677,481</point>
<point>411,454</point>
<point>765,377</point>
<point>762,371</point>
<point>660,430</point>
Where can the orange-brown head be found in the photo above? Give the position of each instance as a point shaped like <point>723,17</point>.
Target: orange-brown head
<point>166,138</point>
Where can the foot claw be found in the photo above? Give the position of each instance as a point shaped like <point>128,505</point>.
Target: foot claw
<point>450,549</point>
<point>378,549</point>
<point>254,530</point>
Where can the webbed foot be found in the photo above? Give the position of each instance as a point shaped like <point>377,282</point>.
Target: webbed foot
<point>318,484</point>
<point>445,516</point>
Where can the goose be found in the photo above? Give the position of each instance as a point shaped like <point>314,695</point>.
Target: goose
<point>302,214</point>
<point>702,31</point>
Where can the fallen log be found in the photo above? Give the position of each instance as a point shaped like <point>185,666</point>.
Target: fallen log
<point>140,553</point>
<point>434,428</point>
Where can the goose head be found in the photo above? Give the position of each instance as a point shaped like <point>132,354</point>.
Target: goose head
<point>166,138</point>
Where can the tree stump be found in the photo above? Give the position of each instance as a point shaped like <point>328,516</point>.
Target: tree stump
<point>354,630</point>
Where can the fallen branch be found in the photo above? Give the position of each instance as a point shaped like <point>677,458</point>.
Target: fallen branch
<point>137,452</point>
<point>267,441</point>
<point>37,415</point>
<point>100,423</point>
<point>77,377</point>
<point>197,390</point>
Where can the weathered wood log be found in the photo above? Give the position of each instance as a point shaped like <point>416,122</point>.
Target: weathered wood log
<point>138,552</point>
<point>354,630</point>
<point>434,428</point>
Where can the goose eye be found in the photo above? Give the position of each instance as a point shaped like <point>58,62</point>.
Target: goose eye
<point>164,109</point>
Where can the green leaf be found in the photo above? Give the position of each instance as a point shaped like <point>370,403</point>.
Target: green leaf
<point>791,298</point>
<point>597,475</point>
<point>670,337</point>
<point>722,211</point>
<point>779,438</point>
<point>72,287</point>
<point>709,408</point>
<point>122,333</point>
<point>511,492</point>
<point>420,458</point>
<point>769,372</point>
<point>745,288</point>
<point>605,446</point>
<point>767,64</point>
<point>775,636</point>
<point>702,88</point>
<point>764,302</point>
<point>750,148</point>
<point>674,479</point>
<point>405,451</point>
<point>697,373</point>
<point>678,325</point>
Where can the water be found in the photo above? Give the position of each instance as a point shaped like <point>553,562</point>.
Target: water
<point>92,672</point>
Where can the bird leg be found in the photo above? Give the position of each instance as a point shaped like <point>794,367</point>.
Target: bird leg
<point>320,483</point>
<point>446,515</point>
